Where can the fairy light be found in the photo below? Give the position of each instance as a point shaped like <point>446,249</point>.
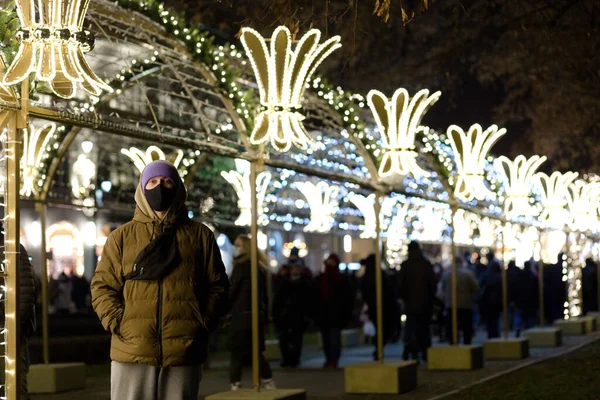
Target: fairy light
<point>397,236</point>
<point>399,121</point>
<point>582,200</point>
<point>519,177</point>
<point>52,44</point>
<point>470,152</point>
<point>323,202</point>
<point>34,146</point>
<point>142,158</point>
<point>241,185</point>
<point>463,227</point>
<point>554,192</point>
<point>282,76</point>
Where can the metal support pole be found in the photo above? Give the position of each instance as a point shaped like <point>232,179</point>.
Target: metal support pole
<point>254,277</point>
<point>504,286</point>
<point>11,252</point>
<point>41,209</point>
<point>541,292</point>
<point>378,280</point>
<point>453,283</point>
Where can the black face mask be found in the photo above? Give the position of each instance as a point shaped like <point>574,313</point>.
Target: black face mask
<point>160,198</point>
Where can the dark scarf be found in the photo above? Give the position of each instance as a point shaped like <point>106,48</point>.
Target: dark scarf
<point>160,256</point>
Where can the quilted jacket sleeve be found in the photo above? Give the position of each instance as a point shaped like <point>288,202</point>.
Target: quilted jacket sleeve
<point>217,284</point>
<point>107,287</point>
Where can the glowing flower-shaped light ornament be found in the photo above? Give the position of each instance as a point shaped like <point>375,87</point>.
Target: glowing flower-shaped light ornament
<point>555,190</point>
<point>323,202</point>
<point>519,176</point>
<point>282,76</point>
<point>399,122</point>
<point>366,206</point>
<point>241,185</point>
<point>52,44</point>
<point>35,142</point>
<point>8,95</point>
<point>470,152</point>
<point>583,201</point>
<point>142,158</point>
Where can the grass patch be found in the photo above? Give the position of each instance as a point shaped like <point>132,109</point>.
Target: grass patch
<point>572,376</point>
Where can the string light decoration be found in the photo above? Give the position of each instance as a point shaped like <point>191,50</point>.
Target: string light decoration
<point>555,189</point>
<point>82,177</point>
<point>323,202</point>
<point>282,76</point>
<point>7,93</point>
<point>35,142</point>
<point>397,237</point>
<point>463,227</point>
<point>399,121</point>
<point>241,185</point>
<point>519,177</point>
<point>52,44</point>
<point>142,158</point>
<point>470,152</point>
<point>582,199</point>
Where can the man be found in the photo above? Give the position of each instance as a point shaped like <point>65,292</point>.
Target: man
<point>417,289</point>
<point>27,298</point>
<point>466,288</point>
<point>159,288</point>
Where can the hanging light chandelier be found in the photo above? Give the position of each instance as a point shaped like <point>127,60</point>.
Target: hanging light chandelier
<point>555,189</point>
<point>518,174</point>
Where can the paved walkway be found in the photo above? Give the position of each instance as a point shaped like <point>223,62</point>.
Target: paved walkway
<point>329,384</point>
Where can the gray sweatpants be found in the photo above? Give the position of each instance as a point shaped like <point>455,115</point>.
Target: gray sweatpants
<point>145,382</point>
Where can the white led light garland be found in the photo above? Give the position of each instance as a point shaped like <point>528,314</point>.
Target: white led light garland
<point>583,201</point>
<point>34,146</point>
<point>554,197</point>
<point>323,202</point>
<point>142,158</point>
<point>470,152</point>
<point>282,76</point>
<point>399,120</point>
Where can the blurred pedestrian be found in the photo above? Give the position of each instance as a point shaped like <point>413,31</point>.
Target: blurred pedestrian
<point>417,288</point>
<point>466,289</point>
<point>529,296</point>
<point>159,289</point>
<point>589,288</point>
<point>64,300</point>
<point>333,309</point>
<point>514,292</point>
<point>290,314</point>
<point>241,314</point>
<point>490,301</point>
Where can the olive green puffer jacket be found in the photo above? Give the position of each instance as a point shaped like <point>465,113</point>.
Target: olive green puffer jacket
<point>160,322</point>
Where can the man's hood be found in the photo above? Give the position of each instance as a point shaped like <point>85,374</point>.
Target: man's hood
<point>144,213</point>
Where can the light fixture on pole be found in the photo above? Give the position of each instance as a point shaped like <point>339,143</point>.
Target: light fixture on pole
<point>142,158</point>
<point>519,177</point>
<point>583,199</point>
<point>34,145</point>
<point>241,185</point>
<point>323,202</point>
<point>282,76</point>
<point>555,190</point>
<point>399,121</point>
<point>52,44</point>
<point>470,152</point>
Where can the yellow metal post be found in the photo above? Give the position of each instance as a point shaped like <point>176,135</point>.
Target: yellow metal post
<point>541,292</point>
<point>254,277</point>
<point>41,208</point>
<point>11,252</point>
<point>453,283</point>
<point>378,280</point>
<point>504,286</point>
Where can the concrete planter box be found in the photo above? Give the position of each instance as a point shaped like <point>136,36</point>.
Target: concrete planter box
<point>455,358</point>
<point>543,337</point>
<point>55,378</point>
<point>381,378</point>
<point>571,327</point>
<point>506,349</point>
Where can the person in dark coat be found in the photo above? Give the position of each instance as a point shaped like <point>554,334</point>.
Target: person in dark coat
<point>290,314</point>
<point>529,298</point>
<point>80,293</point>
<point>27,295</point>
<point>589,288</point>
<point>555,291</point>
<point>240,296</point>
<point>513,280</point>
<point>333,309</point>
<point>417,288</point>
<point>391,313</point>
<point>490,302</point>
